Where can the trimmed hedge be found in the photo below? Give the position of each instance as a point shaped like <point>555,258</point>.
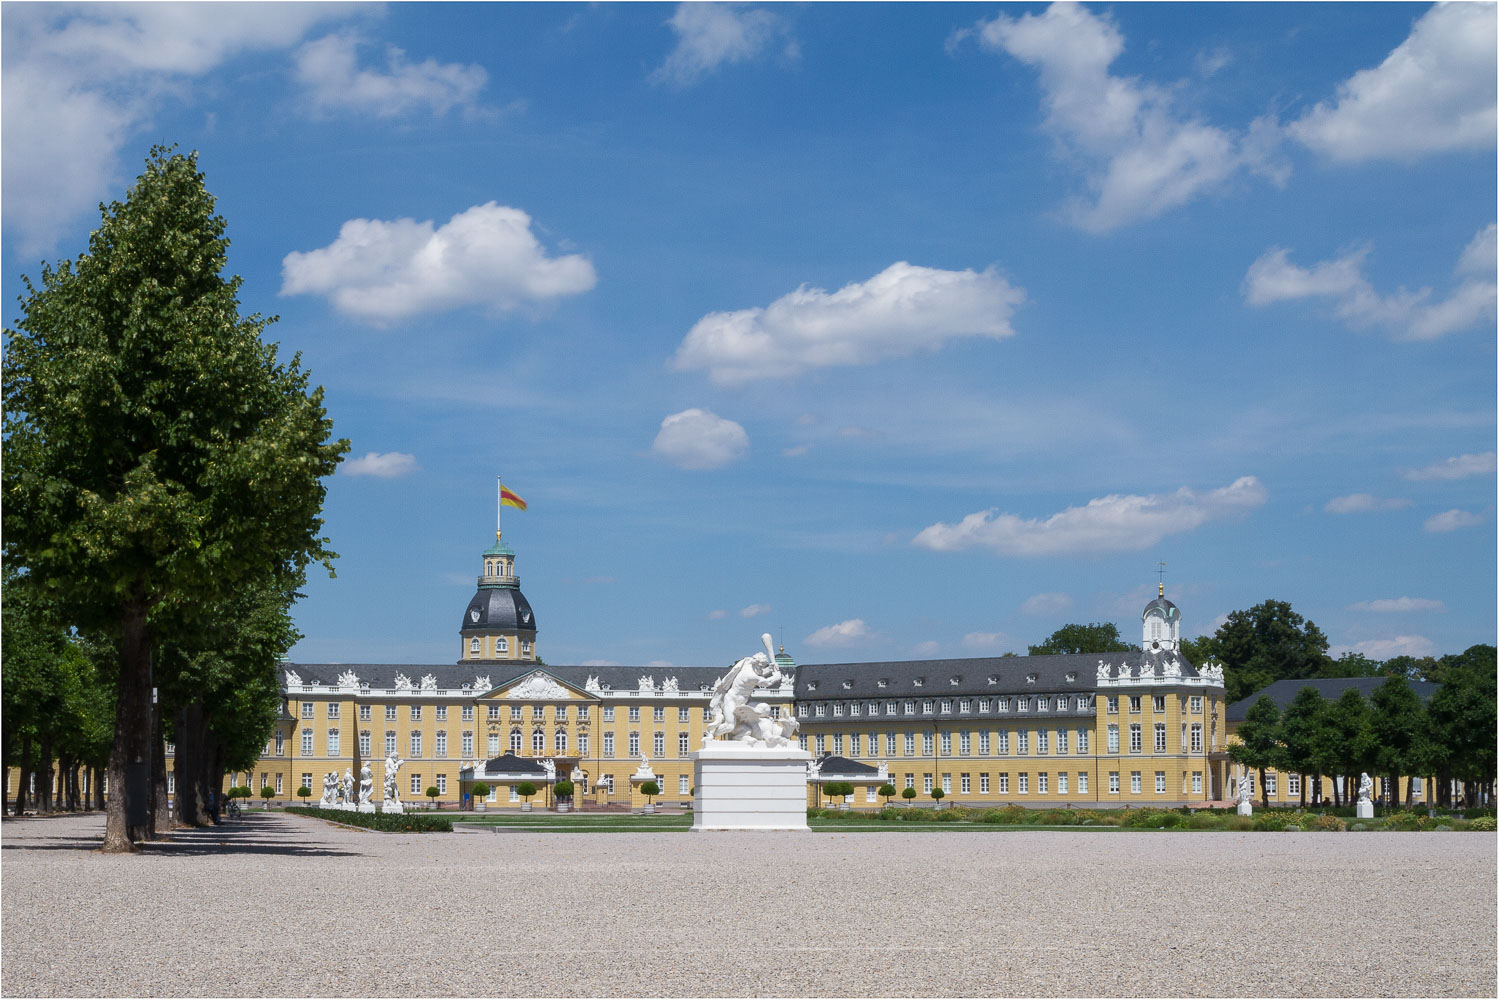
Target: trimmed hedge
<point>381,822</point>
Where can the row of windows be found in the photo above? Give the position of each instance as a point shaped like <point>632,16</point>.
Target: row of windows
<point>558,713</point>
<point>1191,737</point>
<point>904,744</point>
<point>1158,704</point>
<point>501,645</point>
<point>1044,783</point>
<point>560,743</point>
<point>943,706</point>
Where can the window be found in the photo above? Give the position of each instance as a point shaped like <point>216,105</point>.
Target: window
<point>1004,782</point>
<point>984,744</point>
<point>1023,742</point>
<point>416,745</point>
<point>1270,785</point>
<point>1135,740</point>
<point>1022,704</point>
<point>608,713</point>
<point>278,783</point>
<point>538,713</point>
<point>684,785</point>
<point>365,741</point>
<point>983,704</point>
<point>947,784</point>
<point>333,743</point>
<point>801,741</point>
<point>468,713</point>
<point>559,741</point>
<point>819,710</point>
<point>608,744</point>
<point>525,647</point>
<point>964,785</point>
<point>1043,739</point>
<point>634,745</point>
<point>1113,782</point>
<point>910,781</point>
<point>416,784</point>
<point>468,743</point>
<point>441,747</point>
<point>1004,704</point>
<point>332,710</point>
<point>1160,737</point>
<point>1159,704</point>
<point>984,783</point>
<point>658,713</point>
<point>1160,782</point>
<point>1293,784</point>
<point>390,742</point>
<point>1023,783</point>
<point>501,645</point>
<point>1112,705</point>
<point>964,705</point>
<point>890,744</point>
<point>306,781</point>
<point>442,713</point>
<point>1113,740</point>
<point>926,744</point>
<point>926,706</point>
<point>801,711</point>
<point>1134,782</point>
<point>853,744</point>
<point>838,744</point>
<point>280,743</point>
<point>837,709</point>
<point>910,708</point>
<point>442,784</point>
<point>683,714</point>
<point>946,706</point>
<point>473,646</point>
<point>658,744</point>
<point>1043,783</point>
<point>926,783</point>
<point>634,713</point>
<point>1062,783</point>
<point>494,745</point>
<point>684,744</point>
<point>965,744</point>
<point>1197,737</point>
<point>1196,702</point>
<point>1134,704</point>
<point>1004,742</point>
<point>822,743</point>
<point>854,708</point>
<point>1082,741</point>
<point>582,744</point>
<point>1043,704</point>
<point>1061,741</point>
<point>947,744</point>
<point>306,709</point>
<point>538,742</point>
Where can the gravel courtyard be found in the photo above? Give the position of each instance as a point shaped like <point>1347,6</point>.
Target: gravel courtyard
<point>287,906</point>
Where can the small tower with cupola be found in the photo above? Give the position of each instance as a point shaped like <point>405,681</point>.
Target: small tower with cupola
<point>1160,623</point>
<point>498,625</point>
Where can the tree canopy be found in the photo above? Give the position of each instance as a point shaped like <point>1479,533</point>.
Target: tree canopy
<point>1097,637</point>
<point>1265,644</point>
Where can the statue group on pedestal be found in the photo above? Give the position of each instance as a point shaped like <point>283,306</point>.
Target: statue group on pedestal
<point>733,715</point>
<point>338,793</point>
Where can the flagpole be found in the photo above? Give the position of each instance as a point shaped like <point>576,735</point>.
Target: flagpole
<point>499,503</point>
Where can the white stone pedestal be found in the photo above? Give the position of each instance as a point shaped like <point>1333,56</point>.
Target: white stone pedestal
<point>1246,809</point>
<point>392,806</point>
<point>366,806</point>
<point>740,787</point>
<point>1364,809</point>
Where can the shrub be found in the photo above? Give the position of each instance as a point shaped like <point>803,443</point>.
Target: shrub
<point>888,812</point>
<point>1269,822</point>
<point>814,813</point>
<point>1484,824</point>
<point>432,793</point>
<point>1403,821</point>
<point>1055,817</point>
<point>267,792</point>
<point>525,790</point>
<point>304,792</point>
<point>1237,822</point>
<point>916,814</point>
<point>953,814</point>
<point>937,794</point>
<point>908,794</point>
<point>480,790</point>
<point>1308,821</point>
<point>380,822</point>
<point>1332,823</point>
<point>1205,821</point>
<point>563,789</point>
<point>886,792</point>
<point>650,790</point>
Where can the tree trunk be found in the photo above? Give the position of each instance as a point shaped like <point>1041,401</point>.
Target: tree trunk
<point>23,780</point>
<point>44,775</point>
<point>187,765</point>
<point>1264,791</point>
<point>161,813</point>
<point>96,784</point>
<point>1302,785</point>
<point>130,756</point>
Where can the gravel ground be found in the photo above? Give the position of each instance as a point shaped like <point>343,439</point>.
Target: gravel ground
<point>276,905</point>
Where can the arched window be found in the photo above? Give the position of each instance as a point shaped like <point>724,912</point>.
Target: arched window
<point>538,741</point>
<point>1155,628</point>
<point>473,646</point>
<point>515,740</point>
<point>559,740</point>
<point>501,645</point>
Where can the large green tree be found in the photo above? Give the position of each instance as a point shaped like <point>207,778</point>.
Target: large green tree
<point>1353,740</point>
<point>1267,643</point>
<point>1308,741</point>
<point>1259,744</point>
<point>1398,727</point>
<point>155,445</point>
<point>1461,719</point>
<point>1098,637</point>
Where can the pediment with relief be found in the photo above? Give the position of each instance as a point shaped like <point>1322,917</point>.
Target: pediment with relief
<point>538,686</point>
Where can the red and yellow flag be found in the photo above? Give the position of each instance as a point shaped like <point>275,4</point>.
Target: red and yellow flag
<point>508,499</point>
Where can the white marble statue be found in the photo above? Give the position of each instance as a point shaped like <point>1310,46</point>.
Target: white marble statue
<point>1246,803</point>
<point>346,789</point>
<point>330,790</point>
<point>550,767</point>
<point>366,785</point>
<point>734,715</point>
<point>392,801</point>
<point>1365,787</point>
<point>644,772</point>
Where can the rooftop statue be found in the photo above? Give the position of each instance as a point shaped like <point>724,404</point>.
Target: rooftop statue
<point>734,716</point>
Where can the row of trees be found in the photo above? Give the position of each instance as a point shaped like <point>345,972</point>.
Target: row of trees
<point>163,485</point>
<point>1392,733</point>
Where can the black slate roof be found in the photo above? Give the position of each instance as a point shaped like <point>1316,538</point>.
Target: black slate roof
<point>831,765</point>
<point>509,763</point>
<point>498,608</point>
<point>452,676</point>
<point>1331,688</point>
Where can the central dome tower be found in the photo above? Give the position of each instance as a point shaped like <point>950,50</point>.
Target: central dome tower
<point>498,624</point>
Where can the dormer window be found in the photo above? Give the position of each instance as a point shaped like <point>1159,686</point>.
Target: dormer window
<point>502,645</point>
<point>918,682</point>
<point>954,681</point>
<point>473,646</point>
<point>811,685</point>
<point>993,678</point>
<point>882,682</point>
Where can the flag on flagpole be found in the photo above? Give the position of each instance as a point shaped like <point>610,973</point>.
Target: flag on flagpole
<point>508,499</point>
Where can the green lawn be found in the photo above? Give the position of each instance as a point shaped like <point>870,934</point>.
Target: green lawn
<point>680,823</point>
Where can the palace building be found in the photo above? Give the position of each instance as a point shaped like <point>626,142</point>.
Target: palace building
<point>1115,729</point>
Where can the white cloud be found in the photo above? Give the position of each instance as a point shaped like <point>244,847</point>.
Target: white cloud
<point>486,256</point>
<point>1398,605</point>
<point>1141,157</point>
<point>1114,523</point>
<point>753,610</point>
<point>699,439</point>
<point>1359,503</point>
<point>1457,467</point>
<point>1401,645</point>
<point>1433,94</point>
<point>390,465</point>
<point>717,615</point>
<point>1050,603</point>
<point>898,312</point>
<point>710,35</point>
<point>1403,314</point>
<point>988,642</point>
<point>79,82</point>
<point>329,70</point>
<point>599,663</point>
<point>846,633</point>
<point>927,648</point>
<point>1452,520</point>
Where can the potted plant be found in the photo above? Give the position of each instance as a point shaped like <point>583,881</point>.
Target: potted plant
<point>908,794</point>
<point>525,790</point>
<point>304,793</point>
<point>432,793</point>
<point>480,792</point>
<point>267,793</point>
<point>692,794</point>
<point>840,790</point>
<point>937,794</point>
<point>563,790</point>
<point>650,790</point>
<point>887,792</point>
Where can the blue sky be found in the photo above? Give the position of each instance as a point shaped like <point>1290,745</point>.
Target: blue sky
<point>896,331</point>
